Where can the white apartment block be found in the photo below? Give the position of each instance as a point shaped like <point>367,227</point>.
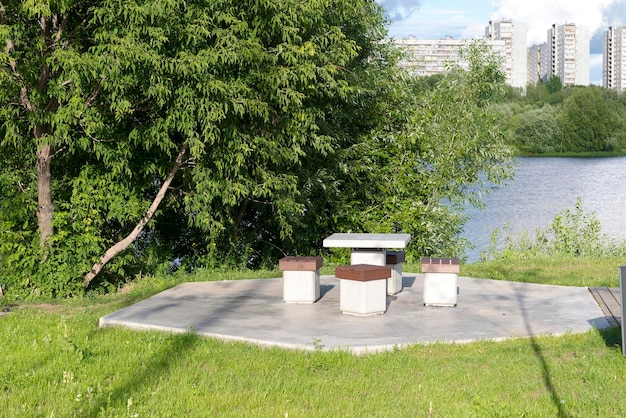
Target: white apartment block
<point>431,57</point>
<point>569,58</point>
<point>566,54</point>
<point>538,63</point>
<point>614,58</point>
<point>516,55</point>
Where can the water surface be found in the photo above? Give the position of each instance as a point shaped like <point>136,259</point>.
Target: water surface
<point>543,187</point>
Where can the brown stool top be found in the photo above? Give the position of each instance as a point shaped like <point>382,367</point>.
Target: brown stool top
<point>300,263</point>
<point>362,272</point>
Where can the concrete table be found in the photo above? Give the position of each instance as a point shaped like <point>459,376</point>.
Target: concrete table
<point>367,248</point>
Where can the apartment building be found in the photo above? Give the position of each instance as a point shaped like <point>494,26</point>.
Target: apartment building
<point>614,58</point>
<point>569,53</point>
<point>565,54</point>
<point>538,63</point>
<point>514,35</point>
<point>430,57</point>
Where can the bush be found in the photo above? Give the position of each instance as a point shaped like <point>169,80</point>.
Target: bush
<point>572,233</point>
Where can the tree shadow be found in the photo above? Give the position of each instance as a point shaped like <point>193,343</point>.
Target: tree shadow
<point>545,367</point>
<point>612,336</point>
<point>152,370</point>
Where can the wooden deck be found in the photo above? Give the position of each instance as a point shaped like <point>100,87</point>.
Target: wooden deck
<point>609,300</point>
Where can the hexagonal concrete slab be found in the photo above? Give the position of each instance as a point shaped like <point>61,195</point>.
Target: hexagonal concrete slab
<point>254,311</point>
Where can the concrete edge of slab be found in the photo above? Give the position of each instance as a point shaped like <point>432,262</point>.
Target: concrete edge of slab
<point>357,350</point>
<point>313,344</point>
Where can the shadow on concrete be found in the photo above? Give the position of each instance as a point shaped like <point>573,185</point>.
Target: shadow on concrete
<point>408,281</point>
<point>325,288</point>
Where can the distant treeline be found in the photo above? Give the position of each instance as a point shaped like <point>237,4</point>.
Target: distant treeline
<point>548,118</point>
<point>551,119</point>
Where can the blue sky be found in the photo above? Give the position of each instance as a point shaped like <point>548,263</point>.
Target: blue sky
<point>434,19</point>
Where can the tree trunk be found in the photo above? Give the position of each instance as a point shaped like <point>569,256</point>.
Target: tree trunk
<point>45,207</point>
<point>130,238</point>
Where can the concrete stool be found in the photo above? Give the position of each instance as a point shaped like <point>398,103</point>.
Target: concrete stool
<point>363,289</point>
<point>395,260</point>
<point>301,278</point>
<point>440,281</point>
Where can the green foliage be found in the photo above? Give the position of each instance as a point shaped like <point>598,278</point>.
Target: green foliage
<point>538,130</point>
<point>452,150</point>
<point>572,233</point>
<point>589,122</point>
<point>551,119</point>
<point>554,85</point>
<point>297,122</point>
<point>433,149</point>
<point>251,87</point>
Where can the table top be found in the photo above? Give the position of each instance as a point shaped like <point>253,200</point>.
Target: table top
<point>367,240</point>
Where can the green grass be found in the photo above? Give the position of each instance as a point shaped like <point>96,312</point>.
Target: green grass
<point>562,271</point>
<point>56,361</point>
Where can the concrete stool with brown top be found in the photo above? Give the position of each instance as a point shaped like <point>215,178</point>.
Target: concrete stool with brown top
<point>395,260</point>
<point>301,278</point>
<point>363,289</point>
<point>440,281</point>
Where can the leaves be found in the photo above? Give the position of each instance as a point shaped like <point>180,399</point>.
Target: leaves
<point>297,120</point>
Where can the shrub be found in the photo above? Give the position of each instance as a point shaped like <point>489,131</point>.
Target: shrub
<point>572,233</point>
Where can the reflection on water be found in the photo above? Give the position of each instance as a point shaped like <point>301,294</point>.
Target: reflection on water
<point>543,187</point>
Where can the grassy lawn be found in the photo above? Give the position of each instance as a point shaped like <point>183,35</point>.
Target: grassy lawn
<point>56,361</point>
<point>587,272</point>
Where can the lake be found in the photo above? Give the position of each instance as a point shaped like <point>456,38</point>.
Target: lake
<point>543,187</point>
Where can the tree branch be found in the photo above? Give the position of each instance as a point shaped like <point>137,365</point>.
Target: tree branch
<point>92,97</point>
<point>59,28</point>
<point>123,244</point>
<point>25,101</point>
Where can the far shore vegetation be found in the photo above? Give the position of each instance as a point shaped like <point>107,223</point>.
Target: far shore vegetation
<point>587,154</point>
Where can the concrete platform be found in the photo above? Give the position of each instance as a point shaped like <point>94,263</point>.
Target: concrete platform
<point>253,311</point>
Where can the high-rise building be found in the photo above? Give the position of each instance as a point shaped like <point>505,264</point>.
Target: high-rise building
<point>565,54</point>
<point>538,63</point>
<point>431,57</point>
<point>569,58</point>
<point>516,55</point>
<point>614,58</point>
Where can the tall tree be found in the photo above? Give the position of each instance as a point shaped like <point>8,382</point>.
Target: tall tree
<point>454,150</point>
<point>39,37</point>
<point>199,131</point>
<point>435,151</point>
<point>588,122</point>
<point>113,99</point>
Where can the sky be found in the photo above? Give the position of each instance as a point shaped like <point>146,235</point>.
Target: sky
<point>435,19</point>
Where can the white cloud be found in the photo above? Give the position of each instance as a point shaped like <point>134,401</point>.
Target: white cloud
<point>399,9</point>
<point>437,21</point>
<point>541,14</point>
<point>434,19</point>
